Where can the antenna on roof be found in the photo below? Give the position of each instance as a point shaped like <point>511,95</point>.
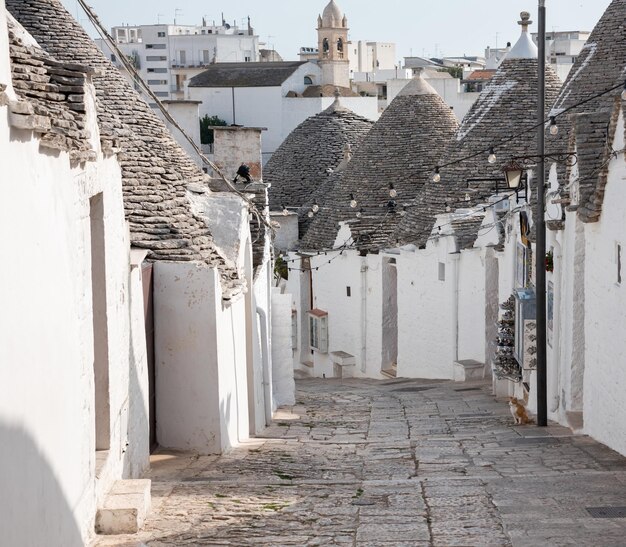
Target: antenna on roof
<point>177,12</point>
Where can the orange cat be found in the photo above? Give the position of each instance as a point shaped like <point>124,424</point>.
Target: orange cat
<point>518,410</point>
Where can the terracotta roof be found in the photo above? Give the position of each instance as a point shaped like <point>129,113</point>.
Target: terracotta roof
<point>155,169</point>
<point>410,136</point>
<point>261,74</point>
<point>591,127</point>
<point>507,105</point>
<point>480,75</point>
<point>304,160</point>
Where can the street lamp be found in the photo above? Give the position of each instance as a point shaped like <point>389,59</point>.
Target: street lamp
<point>513,175</point>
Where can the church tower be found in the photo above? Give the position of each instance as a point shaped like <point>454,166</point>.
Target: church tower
<point>332,32</point>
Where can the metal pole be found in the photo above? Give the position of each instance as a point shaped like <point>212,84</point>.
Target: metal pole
<point>540,223</point>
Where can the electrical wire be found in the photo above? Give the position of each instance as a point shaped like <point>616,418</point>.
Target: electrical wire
<point>95,21</point>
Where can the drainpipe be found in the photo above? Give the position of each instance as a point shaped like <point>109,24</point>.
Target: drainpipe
<point>364,269</point>
<point>455,304</point>
<point>265,352</point>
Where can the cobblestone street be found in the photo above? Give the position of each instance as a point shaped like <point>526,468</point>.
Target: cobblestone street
<point>397,463</point>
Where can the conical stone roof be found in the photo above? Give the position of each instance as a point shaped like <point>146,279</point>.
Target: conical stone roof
<point>410,136</point>
<point>601,65</point>
<point>155,169</point>
<point>332,15</point>
<point>311,152</point>
<point>506,107</point>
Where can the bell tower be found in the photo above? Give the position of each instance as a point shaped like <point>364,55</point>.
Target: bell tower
<point>332,32</point>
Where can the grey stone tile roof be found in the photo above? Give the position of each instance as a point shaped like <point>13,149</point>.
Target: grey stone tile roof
<point>466,231</point>
<point>51,97</point>
<point>507,105</point>
<point>590,127</point>
<point>303,161</point>
<point>155,169</point>
<point>408,139</point>
<point>261,74</point>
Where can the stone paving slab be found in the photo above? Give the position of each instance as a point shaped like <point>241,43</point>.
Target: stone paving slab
<point>390,463</point>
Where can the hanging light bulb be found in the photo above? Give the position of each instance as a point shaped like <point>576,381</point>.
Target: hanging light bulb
<point>353,202</point>
<point>554,128</point>
<point>285,211</point>
<point>624,93</point>
<point>403,212</point>
<point>448,208</point>
<point>436,176</point>
<point>310,214</point>
<point>359,213</point>
<point>315,207</point>
<point>492,156</point>
<point>392,191</point>
<point>467,197</point>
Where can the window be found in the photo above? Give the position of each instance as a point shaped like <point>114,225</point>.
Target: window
<point>157,70</point>
<point>442,271</point>
<point>155,46</point>
<point>618,260</point>
<point>318,330</point>
<point>348,292</point>
<point>157,82</point>
<point>156,58</point>
<point>113,58</point>
<point>308,80</point>
<point>161,34</point>
<point>161,93</point>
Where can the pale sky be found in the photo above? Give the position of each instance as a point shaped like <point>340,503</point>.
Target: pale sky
<point>418,27</point>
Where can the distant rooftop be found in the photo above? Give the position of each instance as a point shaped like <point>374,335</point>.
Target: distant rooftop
<point>246,74</point>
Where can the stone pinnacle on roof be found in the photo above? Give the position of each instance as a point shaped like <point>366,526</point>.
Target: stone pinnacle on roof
<point>417,86</point>
<point>525,48</point>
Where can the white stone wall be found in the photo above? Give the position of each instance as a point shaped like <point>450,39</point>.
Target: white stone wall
<point>472,299</point>
<point>282,359</point>
<point>200,348</point>
<point>47,415</point>
<point>605,312</point>
<point>426,339</point>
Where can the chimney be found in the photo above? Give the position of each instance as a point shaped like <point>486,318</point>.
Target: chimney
<point>234,146</point>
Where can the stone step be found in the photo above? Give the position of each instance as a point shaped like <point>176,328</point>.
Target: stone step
<point>124,508</point>
<point>467,370</point>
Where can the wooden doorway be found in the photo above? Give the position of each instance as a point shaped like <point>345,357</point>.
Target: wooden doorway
<point>148,309</point>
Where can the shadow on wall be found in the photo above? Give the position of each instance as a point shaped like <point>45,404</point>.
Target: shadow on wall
<point>33,508</point>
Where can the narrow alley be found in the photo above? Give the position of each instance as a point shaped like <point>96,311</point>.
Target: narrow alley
<point>400,462</point>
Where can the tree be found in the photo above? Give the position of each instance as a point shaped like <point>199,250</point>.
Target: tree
<point>206,133</point>
<point>454,71</point>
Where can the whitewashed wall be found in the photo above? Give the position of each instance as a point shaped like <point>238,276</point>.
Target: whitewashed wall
<point>605,312</point>
<point>426,339</point>
<point>251,107</point>
<point>283,384</point>
<point>200,350</point>
<point>47,416</point>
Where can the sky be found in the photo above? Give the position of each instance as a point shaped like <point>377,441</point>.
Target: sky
<point>432,28</point>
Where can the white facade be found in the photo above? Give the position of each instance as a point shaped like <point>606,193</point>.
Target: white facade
<point>166,56</point>
<point>371,56</point>
<point>270,108</point>
<point>563,48</point>
<point>386,84</point>
<point>73,393</point>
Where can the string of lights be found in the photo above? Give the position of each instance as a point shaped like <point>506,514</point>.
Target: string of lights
<point>438,235</point>
<point>490,151</point>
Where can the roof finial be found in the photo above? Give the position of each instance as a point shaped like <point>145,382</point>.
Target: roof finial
<point>337,93</point>
<point>525,22</point>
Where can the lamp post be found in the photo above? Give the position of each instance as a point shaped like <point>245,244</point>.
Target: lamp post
<point>540,224</point>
